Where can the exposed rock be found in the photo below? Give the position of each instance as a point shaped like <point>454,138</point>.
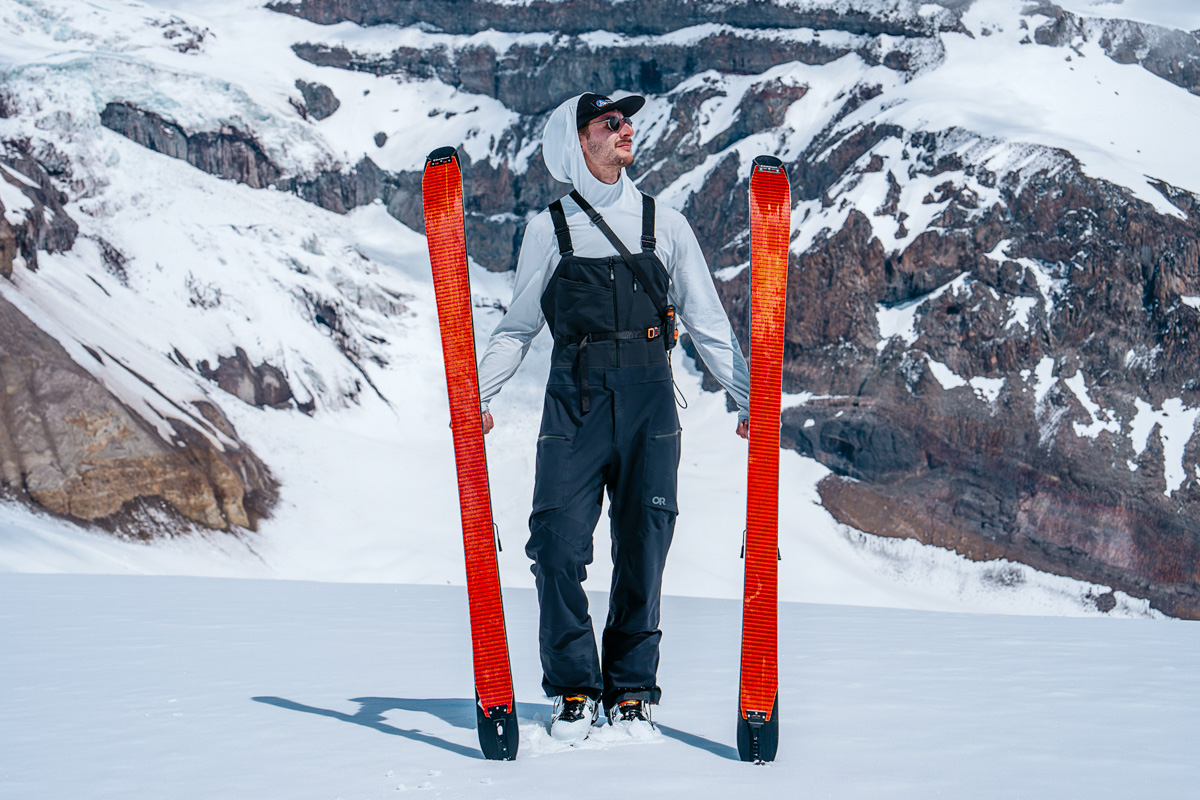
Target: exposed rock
<point>264,385</point>
<point>42,224</point>
<point>1008,477</point>
<point>113,259</point>
<point>236,155</point>
<point>184,37</point>
<point>69,446</point>
<point>8,245</point>
<point>319,100</point>
<point>497,201</point>
<point>380,139</point>
<point>341,191</point>
<point>638,17</point>
<point>534,78</point>
<point>228,153</point>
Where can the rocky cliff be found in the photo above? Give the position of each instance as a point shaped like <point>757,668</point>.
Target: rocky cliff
<point>68,444</point>
<point>74,449</point>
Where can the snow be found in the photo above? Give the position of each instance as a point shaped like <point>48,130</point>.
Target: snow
<point>1176,425</point>
<point>1090,105</point>
<point>987,388</point>
<point>1045,379</point>
<point>1183,16</point>
<point>944,375</point>
<point>1019,309</point>
<point>1102,419</point>
<point>14,202</point>
<point>126,686</point>
<point>901,319</point>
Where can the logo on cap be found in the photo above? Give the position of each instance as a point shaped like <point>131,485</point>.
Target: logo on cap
<point>601,102</point>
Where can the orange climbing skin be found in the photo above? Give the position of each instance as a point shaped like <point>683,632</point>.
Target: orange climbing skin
<point>770,230</point>
<point>442,194</point>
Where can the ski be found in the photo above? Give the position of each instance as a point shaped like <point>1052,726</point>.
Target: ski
<point>770,230</point>
<point>495,706</point>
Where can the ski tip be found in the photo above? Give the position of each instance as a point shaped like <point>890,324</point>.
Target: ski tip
<point>767,163</point>
<point>442,155</point>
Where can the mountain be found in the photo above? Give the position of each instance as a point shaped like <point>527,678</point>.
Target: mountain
<point>212,264</point>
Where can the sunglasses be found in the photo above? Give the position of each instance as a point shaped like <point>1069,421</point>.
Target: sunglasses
<point>614,123</point>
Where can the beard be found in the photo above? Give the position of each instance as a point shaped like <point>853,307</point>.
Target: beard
<point>604,152</point>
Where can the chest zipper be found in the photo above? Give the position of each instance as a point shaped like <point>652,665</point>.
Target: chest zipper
<point>612,279</point>
<point>632,302</point>
<point>612,282</point>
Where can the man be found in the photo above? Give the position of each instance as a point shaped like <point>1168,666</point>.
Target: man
<point>609,420</point>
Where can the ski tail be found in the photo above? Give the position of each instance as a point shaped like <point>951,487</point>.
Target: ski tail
<point>498,734</point>
<point>442,196</point>
<point>770,231</point>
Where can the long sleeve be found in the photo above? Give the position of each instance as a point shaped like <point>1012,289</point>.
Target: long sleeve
<point>692,291</point>
<point>510,340</point>
<point>699,309</point>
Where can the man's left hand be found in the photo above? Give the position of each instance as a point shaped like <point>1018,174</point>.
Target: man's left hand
<point>743,429</point>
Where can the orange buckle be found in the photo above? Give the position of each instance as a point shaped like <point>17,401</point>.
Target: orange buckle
<point>652,333</point>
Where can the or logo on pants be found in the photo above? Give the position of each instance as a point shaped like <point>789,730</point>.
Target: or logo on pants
<point>658,501</point>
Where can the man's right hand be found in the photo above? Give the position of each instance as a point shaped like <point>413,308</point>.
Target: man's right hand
<point>488,422</point>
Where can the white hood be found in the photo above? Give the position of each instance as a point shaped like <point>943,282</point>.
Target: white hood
<point>564,158</point>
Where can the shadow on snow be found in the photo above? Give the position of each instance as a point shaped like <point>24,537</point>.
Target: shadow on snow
<point>460,713</point>
<point>456,711</point>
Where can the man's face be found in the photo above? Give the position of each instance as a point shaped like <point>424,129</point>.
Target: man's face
<point>606,148</point>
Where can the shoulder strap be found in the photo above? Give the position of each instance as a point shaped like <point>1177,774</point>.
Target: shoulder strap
<point>561,230</point>
<point>632,262</point>
<point>648,240</point>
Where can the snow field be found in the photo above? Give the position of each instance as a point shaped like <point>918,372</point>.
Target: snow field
<point>123,686</point>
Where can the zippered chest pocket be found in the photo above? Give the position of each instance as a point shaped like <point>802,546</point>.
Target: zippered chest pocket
<point>581,308</point>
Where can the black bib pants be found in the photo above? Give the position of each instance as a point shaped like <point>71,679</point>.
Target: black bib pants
<point>609,424</point>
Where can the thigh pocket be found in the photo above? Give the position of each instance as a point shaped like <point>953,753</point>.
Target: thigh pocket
<point>659,484</point>
<point>550,480</point>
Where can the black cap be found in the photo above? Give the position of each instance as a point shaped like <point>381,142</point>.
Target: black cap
<point>593,105</point>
